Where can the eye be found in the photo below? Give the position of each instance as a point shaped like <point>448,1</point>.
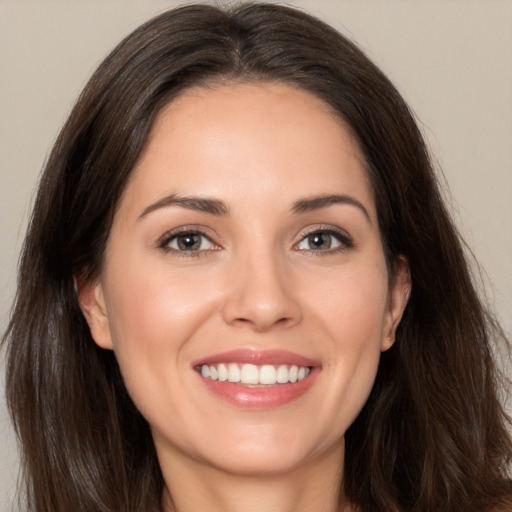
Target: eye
<point>188,241</point>
<point>324,240</point>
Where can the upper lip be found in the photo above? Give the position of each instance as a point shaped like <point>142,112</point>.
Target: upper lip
<point>257,357</point>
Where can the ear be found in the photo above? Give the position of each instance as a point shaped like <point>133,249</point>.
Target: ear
<point>92,304</point>
<point>399,294</point>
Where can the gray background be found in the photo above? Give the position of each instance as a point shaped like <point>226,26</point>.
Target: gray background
<point>451,59</point>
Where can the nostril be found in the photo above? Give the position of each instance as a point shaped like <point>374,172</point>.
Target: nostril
<point>262,299</point>
<point>261,324</point>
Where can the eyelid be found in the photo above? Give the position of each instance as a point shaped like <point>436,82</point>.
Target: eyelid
<point>168,236</point>
<point>345,239</point>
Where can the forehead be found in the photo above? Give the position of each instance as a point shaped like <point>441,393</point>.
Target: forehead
<point>238,141</point>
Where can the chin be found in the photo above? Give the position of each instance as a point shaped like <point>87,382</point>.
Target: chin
<point>260,464</point>
<point>271,455</point>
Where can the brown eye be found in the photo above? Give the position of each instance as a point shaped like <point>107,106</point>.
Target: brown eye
<point>324,240</point>
<point>319,241</point>
<point>189,241</point>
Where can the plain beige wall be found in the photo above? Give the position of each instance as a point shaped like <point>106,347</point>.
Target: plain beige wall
<point>451,59</point>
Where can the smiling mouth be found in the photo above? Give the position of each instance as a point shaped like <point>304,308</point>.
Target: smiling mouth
<point>254,375</point>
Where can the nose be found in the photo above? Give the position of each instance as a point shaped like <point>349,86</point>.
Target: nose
<point>260,294</point>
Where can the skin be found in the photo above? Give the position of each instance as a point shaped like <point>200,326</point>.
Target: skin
<point>256,282</point>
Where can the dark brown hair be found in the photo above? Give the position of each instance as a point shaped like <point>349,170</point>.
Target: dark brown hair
<point>433,434</point>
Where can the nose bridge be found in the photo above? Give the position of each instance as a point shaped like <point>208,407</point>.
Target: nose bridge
<point>261,292</point>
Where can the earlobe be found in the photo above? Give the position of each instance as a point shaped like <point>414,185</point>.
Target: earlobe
<point>398,298</point>
<point>93,306</point>
<point>387,343</point>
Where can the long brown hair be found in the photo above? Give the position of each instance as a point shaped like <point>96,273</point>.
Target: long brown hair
<point>433,434</point>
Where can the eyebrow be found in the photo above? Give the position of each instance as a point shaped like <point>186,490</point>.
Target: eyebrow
<point>220,208</point>
<point>200,204</point>
<point>317,202</point>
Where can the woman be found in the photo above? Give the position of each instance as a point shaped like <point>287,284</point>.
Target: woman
<point>240,289</point>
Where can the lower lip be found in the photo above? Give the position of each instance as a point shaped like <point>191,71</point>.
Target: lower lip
<point>260,397</point>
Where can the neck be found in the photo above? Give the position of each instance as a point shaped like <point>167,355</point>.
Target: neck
<point>196,486</point>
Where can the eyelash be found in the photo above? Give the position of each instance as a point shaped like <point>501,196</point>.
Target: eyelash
<point>342,237</point>
<point>175,234</point>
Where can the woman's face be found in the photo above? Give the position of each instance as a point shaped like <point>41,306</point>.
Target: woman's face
<point>247,246</point>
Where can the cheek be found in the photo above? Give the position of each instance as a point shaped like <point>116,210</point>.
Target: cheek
<point>353,319</point>
<point>353,304</point>
<point>358,318</point>
<point>152,315</point>
<point>149,305</point>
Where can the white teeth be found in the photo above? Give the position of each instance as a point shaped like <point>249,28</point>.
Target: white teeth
<point>251,374</point>
<point>223,372</point>
<point>282,374</point>
<point>233,372</point>
<point>268,374</point>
